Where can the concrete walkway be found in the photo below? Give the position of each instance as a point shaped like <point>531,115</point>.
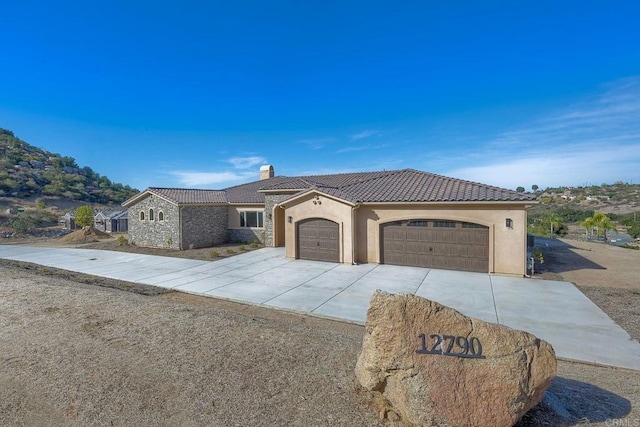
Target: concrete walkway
<point>554,311</point>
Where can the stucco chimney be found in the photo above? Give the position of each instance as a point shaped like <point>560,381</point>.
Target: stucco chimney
<point>266,172</point>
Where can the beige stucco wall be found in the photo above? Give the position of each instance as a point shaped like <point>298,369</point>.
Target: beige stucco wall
<point>326,208</point>
<point>361,224</point>
<point>507,246</point>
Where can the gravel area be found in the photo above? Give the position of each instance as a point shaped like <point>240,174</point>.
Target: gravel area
<point>81,350</point>
<point>77,354</point>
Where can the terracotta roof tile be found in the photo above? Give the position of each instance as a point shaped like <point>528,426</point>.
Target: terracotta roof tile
<point>405,185</point>
<point>190,196</point>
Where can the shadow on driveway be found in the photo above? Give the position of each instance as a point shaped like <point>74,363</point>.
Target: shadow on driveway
<point>560,257</point>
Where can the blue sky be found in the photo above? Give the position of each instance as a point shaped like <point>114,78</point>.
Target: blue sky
<point>200,94</point>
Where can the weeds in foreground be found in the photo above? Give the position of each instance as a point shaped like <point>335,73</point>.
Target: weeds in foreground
<point>230,251</point>
<point>214,254</point>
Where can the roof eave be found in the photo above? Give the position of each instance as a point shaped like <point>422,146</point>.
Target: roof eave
<point>449,202</point>
<point>283,191</point>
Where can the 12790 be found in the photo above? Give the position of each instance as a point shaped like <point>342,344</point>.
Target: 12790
<point>450,345</point>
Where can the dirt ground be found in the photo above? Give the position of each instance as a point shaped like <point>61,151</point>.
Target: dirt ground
<point>80,350</point>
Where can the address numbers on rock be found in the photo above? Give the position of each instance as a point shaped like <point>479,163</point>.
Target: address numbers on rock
<point>450,345</point>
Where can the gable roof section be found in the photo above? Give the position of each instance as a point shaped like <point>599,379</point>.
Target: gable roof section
<point>113,214</point>
<point>406,185</point>
<point>249,193</point>
<point>182,196</point>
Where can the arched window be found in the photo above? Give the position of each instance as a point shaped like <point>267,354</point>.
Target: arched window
<point>150,214</point>
<point>160,216</point>
<point>141,216</point>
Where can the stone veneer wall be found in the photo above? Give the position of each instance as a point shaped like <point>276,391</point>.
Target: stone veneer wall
<point>204,226</point>
<point>158,234</point>
<point>270,200</point>
<point>246,235</point>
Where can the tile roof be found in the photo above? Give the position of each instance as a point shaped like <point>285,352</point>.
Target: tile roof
<point>186,196</point>
<point>248,193</point>
<point>395,186</point>
<point>406,185</point>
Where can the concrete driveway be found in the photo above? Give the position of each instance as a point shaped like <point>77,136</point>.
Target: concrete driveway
<point>552,310</point>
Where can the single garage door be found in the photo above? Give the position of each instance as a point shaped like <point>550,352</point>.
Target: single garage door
<point>318,240</point>
<point>448,245</point>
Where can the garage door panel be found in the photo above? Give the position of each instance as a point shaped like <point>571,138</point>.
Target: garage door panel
<point>436,244</point>
<point>318,240</point>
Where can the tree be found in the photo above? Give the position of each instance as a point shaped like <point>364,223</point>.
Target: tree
<point>22,224</point>
<point>604,223</point>
<point>600,222</point>
<point>589,225</point>
<point>520,189</point>
<point>535,188</point>
<point>84,216</point>
<point>554,222</point>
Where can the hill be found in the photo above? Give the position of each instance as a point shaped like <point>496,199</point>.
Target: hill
<point>570,205</point>
<point>27,172</point>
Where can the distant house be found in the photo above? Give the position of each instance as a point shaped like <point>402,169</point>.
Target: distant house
<point>111,221</point>
<point>402,217</point>
<point>68,221</point>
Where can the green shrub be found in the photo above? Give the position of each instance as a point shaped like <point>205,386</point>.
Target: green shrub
<point>122,241</point>
<point>230,251</point>
<point>254,245</point>
<point>214,254</point>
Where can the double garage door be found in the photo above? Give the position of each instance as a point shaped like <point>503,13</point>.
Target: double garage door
<point>449,245</point>
<point>319,240</point>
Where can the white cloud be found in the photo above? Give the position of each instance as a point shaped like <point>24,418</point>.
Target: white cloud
<point>360,148</point>
<point>246,162</point>
<point>594,141</point>
<point>365,134</point>
<point>572,165</point>
<point>201,179</point>
<point>317,143</point>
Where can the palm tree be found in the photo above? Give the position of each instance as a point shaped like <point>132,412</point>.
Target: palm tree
<point>588,224</point>
<point>554,222</point>
<point>604,223</point>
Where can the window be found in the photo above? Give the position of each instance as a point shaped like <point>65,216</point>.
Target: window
<point>160,216</point>
<point>251,219</point>
<point>418,223</point>
<point>141,216</point>
<point>472,225</point>
<point>150,214</point>
<point>444,224</point>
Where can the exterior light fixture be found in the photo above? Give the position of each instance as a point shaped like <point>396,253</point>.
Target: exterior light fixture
<point>509,223</point>
<point>290,220</point>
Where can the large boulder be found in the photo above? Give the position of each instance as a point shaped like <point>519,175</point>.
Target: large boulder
<point>429,365</point>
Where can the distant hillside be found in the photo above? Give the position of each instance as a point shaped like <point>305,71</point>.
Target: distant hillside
<point>560,208</point>
<point>27,171</point>
<point>613,199</point>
